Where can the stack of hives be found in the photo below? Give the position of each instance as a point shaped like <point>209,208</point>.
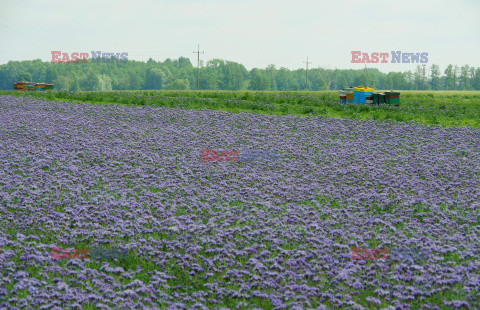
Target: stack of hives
<point>21,86</point>
<point>360,95</point>
<point>346,95</point>
<point>40,86</point>
<point>24,86</point>
<point>388,97</point>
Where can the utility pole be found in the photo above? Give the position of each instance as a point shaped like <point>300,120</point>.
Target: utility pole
<point>423,76</point>
<point>306,76</point>
<point>365,76</point>
<point>198,62</point>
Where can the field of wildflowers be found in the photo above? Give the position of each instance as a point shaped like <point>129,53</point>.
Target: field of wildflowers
<point>445,108</point>
<point>246,234</point>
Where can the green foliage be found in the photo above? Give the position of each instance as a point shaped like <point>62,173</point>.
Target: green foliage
<point>259,80</point>
<point>63,83</point>
<point>219,74</point>
<point>434,108</point>
<point>178,85</point>
<point>154,79</point>
<point>50,75</point>
<point>25,77</point>
<point>318,83</point>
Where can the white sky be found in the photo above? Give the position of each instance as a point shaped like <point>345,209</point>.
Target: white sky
<point>255,33</point>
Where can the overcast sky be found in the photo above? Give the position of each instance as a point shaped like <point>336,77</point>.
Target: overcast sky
<point>255,33</point>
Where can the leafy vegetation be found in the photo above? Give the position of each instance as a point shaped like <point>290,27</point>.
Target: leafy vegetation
<point>446,108</point>
<point>218,74</point>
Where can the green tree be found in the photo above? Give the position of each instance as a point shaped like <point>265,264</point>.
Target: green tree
<point>342,83</point>
<point>418,78</point>
<point>284,80</point>
<point>388,84</point>
<point>25,76</point>
<point>476,79</point>
<point>449,79</point>
<point>63,83</point>
<point>184,62</point>
<point>208,79</point>
<point>154,78</point>
<point>270,72</point>
<point>104,82</point>
<point>362,79</point>
<point>258,80</point>
<point>408,80</point>
<point>464,77</point>
<point>435,77</point>
<point>472,77</point>
<point>396,80</point>
<point>50,75</point>
<point>120,82</point>
<point>215,75</point>
<point>455,76</point>
<point>235,75</point>
<point>134,80</point>
<point>89,81</point>
<point>178,85</point>
<point>318,83</point>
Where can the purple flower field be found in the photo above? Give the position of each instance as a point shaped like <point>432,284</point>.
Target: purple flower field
<point>223,234</point>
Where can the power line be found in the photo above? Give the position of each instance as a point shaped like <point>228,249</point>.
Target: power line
<point>58,38</point>
<point>306,76</point>
<point>24,35</point>
<point>48,42</point>
<point>198,62</point>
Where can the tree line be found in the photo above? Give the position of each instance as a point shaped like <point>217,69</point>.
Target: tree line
<point>218,74</point>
